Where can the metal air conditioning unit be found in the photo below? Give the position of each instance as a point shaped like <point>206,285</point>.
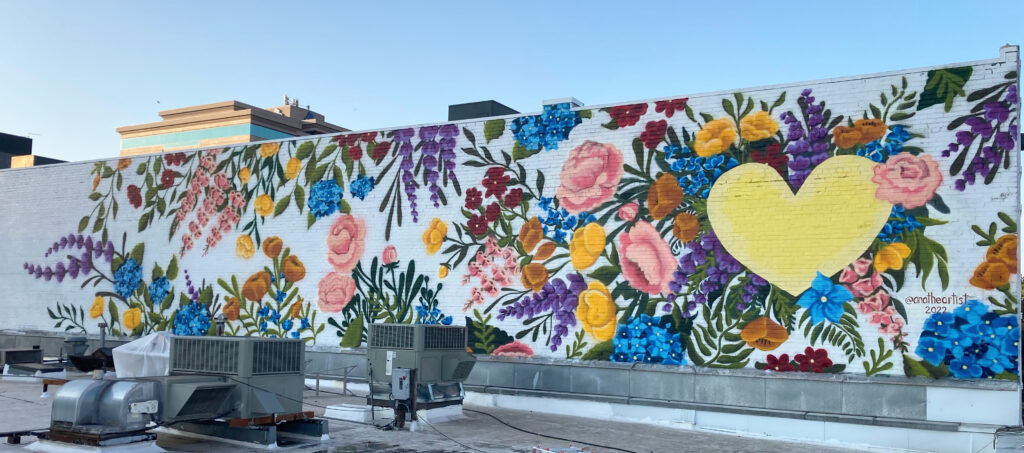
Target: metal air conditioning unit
<point>417,366</point>
<point>234,387</point>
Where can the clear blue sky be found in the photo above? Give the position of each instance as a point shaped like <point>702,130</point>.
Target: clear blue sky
<point>74,71</point>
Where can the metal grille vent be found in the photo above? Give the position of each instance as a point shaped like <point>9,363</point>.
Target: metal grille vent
<point>391,336</point>
<point>444,337</point>
<point>274,357</point>
<point>197,355</point>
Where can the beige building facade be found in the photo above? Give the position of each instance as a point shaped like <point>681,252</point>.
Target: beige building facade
<point>222,123</point>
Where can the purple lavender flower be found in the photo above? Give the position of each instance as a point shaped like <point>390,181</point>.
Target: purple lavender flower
<point>404,136</point>
<point>560,297</point>
<point>1011,94</point>
<point>448,133</point>
<point>809,147</point>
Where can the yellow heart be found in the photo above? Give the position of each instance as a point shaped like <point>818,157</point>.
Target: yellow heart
<point>787,239</point>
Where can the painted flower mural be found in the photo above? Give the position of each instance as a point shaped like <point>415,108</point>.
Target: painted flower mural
<point>604,234</point>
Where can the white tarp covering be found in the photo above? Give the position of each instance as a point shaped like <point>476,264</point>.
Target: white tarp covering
<point>147,356</point>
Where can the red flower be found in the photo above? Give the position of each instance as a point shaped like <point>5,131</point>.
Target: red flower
<point>813,360</point>
<point>513,197</point>
<point>495,182</point>
<point>473,198</point>
<point>654,133</point>
<point>771,155</point>
<point>492,212</point>
<point>381,150</point>
<point>355,153</point>
<point>477,225</point>
<point>368,136</point>
<point>134,195</point>
<point>167,179</point>
<point>670,107</point>
<point>627,115</point>
<point>174,159</point>
<point>348,140</point>
<point>779,364</point>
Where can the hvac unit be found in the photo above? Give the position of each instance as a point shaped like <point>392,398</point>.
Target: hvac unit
<point>248,385</point>
<point>417,366</point>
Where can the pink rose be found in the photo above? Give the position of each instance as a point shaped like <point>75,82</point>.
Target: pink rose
<point>907,179</point>
<point>645,258</point>
<point>335,292</point>
<point>589,176</point>
<point>628,211</point>
<point>866,286</point>
<point>345,242</point>
<point>862,266</point>
<point>848,275</point>
<point>390,255</point>
<point>513,349</point>
<point>880,318</point>
<point>877,302</point>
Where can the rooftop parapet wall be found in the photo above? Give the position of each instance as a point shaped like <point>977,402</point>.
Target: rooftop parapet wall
<point>662,231</point>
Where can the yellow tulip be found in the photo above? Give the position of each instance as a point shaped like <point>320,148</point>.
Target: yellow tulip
<point>269,149</point>
<point>891,257</point>
<point>132,318</point>
<point>292,169</point>
<point>97,307</point>
<point>758,126</point>
<point>264,205</point>
<point>244,174</point>
<point>596,311</point>
<point>434,236</point>
<point>442,272</point>
<point>716,136</point>
<point>244,247</point>
<point>586,246</point>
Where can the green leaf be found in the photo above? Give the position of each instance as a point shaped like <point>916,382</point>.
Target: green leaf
<point>172,268</point>
<point>493,129</point>
<point>600,351</point>
<point>875,112</point>
<point>520,152</point>
<point>353,334</point>
<point>112,307</point>
<point>606,274</point>
<point>913,368</point>
<point>901,116</point>
<point>345,207</point>
<point>306,149</point>
<point>282,204</point>
<point>83,224</point>
<point>943,86</point>
<point>585,113</point>
<point>300,197</point>
<point>157,271</point>
<point>138,252</point>
<point>727,105</point>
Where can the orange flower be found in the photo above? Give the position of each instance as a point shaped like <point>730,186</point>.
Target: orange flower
<point>845,137</point>
<point>232,309</point>
<point>297,309</point>
<point>990,275</point>
<point>1004,251</point>
<point>95,182</point>
<point>544,251</point>
<point>293,269</point>
<point>764,334</point>
<point>535,275</point>
<point>685,227</point>
<point>272,246</point>
<point>531,233</point>
<point>870,130</point>
<point>891,257</point>
<point>256,286</point>
<point>124,163</point>
<point>664,196</point>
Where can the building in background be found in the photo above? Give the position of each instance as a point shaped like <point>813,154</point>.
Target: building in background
<point>222,123</point>
<point>16,151</point>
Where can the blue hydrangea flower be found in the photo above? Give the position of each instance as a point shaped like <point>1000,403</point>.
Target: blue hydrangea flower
<point>881,152</point>
<point>965,367</point>
<point>931,349</point>
<point>824,299</point>
<point>546,130</point>
<point>971,311</point>
<point>558,224</point>
<point>361,187</point>
<point>971,341</point>
<point>647,339</point>
<point>158,290</point>
<point>324,198</point>
<point>940,324</point>
<point>698,173</point>
<point>192,320</point>
<point>127,278</point>
<point>899,223</point>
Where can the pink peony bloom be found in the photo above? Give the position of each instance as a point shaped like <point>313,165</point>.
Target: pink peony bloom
<point>907,179</point>
<point>848,275</point>
<point>336,290</point>
<point>877,302</point>
<point>862,266</point>
<point>645,258</point>
<point>589,176</point>
<point>628,211</point>
<point>390,255</point>
<point>513,349</point>
<point>345,242</point>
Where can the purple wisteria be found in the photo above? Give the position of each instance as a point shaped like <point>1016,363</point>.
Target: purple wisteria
<point>809,147</point>
<point>448,133</point>
<point>80,251</point>
<point>403,138</point>
<point>710,267</point>
<point>558,296</point>
<point>430,149</point>
<point>994,128</point>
